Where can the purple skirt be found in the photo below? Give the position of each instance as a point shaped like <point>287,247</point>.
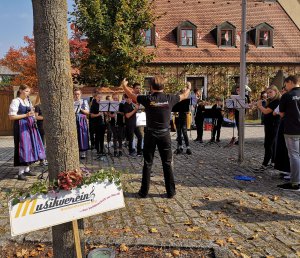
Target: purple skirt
<point>29,147</point>
<point>82,132</point>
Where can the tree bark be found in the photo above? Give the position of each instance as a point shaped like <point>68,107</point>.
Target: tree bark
<point>56,91</point>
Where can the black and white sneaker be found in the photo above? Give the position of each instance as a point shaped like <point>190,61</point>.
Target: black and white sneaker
<point>290,187</point>
<point>188,151</point>
<point>261,169</point>
<point>178,151</point>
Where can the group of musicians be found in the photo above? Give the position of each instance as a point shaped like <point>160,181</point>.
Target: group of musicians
<point>122,124</point>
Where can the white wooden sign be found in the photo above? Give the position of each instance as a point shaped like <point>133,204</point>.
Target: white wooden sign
<point>56,208</point>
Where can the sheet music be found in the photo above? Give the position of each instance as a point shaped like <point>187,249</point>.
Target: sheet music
<point>106,106</point>
<point>239,102</point>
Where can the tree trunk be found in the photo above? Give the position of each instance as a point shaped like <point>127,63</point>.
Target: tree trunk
<point>56,90</point>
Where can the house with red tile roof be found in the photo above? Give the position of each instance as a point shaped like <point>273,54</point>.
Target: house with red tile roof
<point>199,41</point>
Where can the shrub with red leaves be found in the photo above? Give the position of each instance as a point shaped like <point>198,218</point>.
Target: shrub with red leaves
<point>69,179</point>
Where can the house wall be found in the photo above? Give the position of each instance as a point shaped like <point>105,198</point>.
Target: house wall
<point>219,78</point>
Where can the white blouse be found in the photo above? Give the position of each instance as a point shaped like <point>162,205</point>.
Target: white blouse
<point>14,106</point>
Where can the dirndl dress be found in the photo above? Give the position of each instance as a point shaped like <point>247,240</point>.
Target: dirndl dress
<point>82,126</point>
<point>29,147</point>
<point>82,132</point>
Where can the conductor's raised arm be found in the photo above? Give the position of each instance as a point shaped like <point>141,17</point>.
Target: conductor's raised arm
<point>187,91</point>
<point>128,91</point>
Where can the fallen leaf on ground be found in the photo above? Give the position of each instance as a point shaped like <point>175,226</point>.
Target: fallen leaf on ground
<point>166,210</point>
<point>50,253</point>
<point>274,198</point>
<point>230,240</point>
<point>188,223</point>
<point>236,253</point>
<point>264,199</point>
<point>153,230</point>
<point>148,249</point>
<point>253,237</point>
<point>176,253</point>
<point>127,229</point>
<point>33,253</point>
<point>220,242</point>
<point>176,235</point>
<point>295,230</point>
<point>192,229</point>
<point>22,253</point>
<point>253,194</point>
<point>244,255</point>
<point>269,256</point>
<point>169,255</point>
<point>124,248</point>
<point>88,232</point>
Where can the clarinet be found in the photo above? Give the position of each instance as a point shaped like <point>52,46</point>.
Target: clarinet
<point>32,109</point>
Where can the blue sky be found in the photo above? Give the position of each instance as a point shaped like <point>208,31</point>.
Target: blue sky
<point>16,21</point>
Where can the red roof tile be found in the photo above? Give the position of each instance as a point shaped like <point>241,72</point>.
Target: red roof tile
<point>206,15</point>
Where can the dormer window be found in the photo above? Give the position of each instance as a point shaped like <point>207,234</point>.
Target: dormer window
<point>226,38</point>
<point>264,38</point>
<point>149,37</point>
<point>262,35</point>
<point>187,37</point>
<point>186,34</point>
<point>224,34</point>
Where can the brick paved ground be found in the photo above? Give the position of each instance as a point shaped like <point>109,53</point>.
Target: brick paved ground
<point>211,208</point>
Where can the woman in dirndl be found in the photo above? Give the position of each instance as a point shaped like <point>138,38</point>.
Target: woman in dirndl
<point>81,108</point>
<point>29,147</point>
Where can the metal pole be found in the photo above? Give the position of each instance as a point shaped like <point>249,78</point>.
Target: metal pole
<point>242,81</point>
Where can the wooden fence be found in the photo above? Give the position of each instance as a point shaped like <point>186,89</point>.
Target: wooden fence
<point>6,126</point>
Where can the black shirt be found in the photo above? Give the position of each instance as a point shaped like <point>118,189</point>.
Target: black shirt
<point>217,111</point>
<point>120,117</point>
<point>131,121</point>
<point>290,105</point>
<point>95,110</point>
<point>200,111</point>
<point>158,107</point>
<point>37,109</point>
<point>270,119</point>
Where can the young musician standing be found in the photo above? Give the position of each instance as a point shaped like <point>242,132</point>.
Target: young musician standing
<point>218,120</point>
<point>27,140</point>
<point>271,124</point>
<point>158,108</point>
<point>98,122</point>
<point>181,128</point>
<point>130,110</point>
<point>81,111</point>
<point>199,119</point>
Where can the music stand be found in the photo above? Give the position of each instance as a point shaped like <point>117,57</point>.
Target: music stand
<point>215,114</point>
<point>109,106</point>
<point>235,102</point>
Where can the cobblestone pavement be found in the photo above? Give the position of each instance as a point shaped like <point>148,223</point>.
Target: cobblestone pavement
<point>211,208</point>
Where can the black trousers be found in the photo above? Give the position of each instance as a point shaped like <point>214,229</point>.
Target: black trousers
<point>117,133</point>
<point>92,132</point>
<point>130,131</point>
<point>217,124</point>
<point>99,137</point>
<point>162,140</point>
<point>199,125</point>
<point>269,143</point>
<point>182,130</point>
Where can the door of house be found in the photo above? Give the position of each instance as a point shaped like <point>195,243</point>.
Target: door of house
<point>6,126</point>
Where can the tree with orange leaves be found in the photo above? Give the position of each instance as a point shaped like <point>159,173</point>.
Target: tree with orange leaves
<point>22,60</point>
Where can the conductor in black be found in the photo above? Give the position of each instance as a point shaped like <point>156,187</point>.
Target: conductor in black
<point>158,106</point>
